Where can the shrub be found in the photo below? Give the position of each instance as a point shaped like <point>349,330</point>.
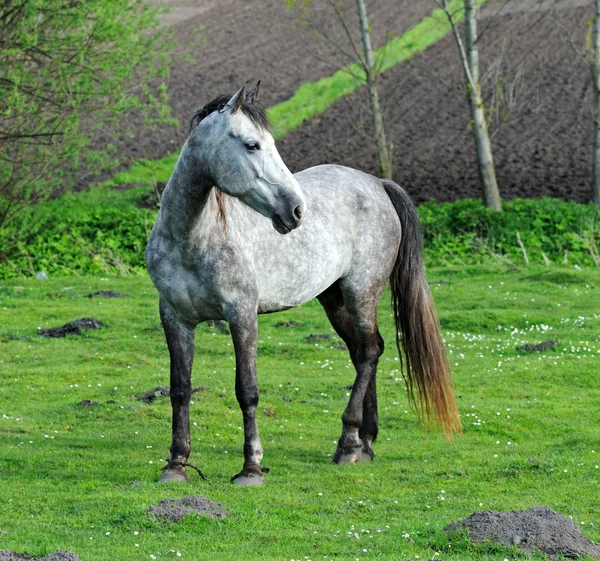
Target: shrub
<point>465,231</point>
<point>77,234</point>
<point>102,231</point>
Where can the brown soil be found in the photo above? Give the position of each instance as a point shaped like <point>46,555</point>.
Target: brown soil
<point>219,325</point>
<point>543,147</point>
<point>173,510</point>
<point>106,294</point>
<point>250,40</point>
<point>163,391</point>
<point>290,323</point>
<point>6,555</point>
<point>539,528</point>
<point>540,347</point>
<point>71,328</point>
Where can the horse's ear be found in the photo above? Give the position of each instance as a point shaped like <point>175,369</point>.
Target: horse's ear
<point>253,95</point>
<point>236,101</point>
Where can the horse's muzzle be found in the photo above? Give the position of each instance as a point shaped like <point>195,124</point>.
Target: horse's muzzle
<point>285,222</point>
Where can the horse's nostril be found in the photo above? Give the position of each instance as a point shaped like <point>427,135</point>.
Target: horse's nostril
<point>298,213</point>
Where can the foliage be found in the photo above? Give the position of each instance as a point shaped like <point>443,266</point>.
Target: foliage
<point>81,478</point>
<point>68,69</point>
<point>467,232</point>
<point>98,231</point>
<point>103,231</point>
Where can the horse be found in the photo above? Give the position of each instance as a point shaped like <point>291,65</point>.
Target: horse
<point>238,235</point>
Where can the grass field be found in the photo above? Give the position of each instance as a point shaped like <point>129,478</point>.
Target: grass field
<point>81,478</point>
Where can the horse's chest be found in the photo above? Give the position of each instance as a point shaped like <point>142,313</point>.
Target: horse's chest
<point>190,288</point>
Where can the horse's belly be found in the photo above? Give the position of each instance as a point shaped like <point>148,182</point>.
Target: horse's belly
<point>297,281</point>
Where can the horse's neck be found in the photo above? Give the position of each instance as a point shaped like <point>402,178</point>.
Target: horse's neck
<point>187,198</point>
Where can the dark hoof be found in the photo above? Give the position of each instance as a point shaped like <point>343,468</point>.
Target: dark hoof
<point>249,481</point>
<point>248,478</point>
<point>175,474</point>
<point>367,455</point>
<point>353,455</point>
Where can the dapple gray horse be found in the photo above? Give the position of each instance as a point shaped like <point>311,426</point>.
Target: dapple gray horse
<point>238,235</point>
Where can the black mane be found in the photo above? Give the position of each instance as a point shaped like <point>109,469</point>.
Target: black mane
<point>254,111</point>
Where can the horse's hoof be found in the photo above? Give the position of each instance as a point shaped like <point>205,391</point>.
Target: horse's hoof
<point>366,455</point>
<point>351,458</point>
<point>353,455</point>
<point>174,475</point>
<point>248,479</point>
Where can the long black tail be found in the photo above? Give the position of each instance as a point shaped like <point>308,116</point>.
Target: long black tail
<point>425,368</point>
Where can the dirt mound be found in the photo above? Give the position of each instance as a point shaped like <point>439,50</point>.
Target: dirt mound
<point>543,346</point>
<point>6,555</point>
<point>106,294</point>
<point>173,510</point>
<point>539,528</point>
<point>159,391</point>
<point>71,328</point>
<point>318,337</point>
<point>218,324</point>
<point>87,403</point>
<point>290,323</point>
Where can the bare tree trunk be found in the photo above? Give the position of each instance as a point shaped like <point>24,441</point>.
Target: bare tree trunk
<point>485,160</point>
<point>383,153</point>
<point>469,56</point>
<point>595,64</point>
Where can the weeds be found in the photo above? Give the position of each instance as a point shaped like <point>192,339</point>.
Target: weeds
<point>102,231</point>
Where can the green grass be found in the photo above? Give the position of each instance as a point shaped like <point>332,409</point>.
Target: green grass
<point>82,479</point>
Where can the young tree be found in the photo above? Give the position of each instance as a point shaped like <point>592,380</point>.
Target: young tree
<point>365,58</point>
<point>368,63</point>
<point>67,68</point>
<point>595,68</point>
<point>469,57</point>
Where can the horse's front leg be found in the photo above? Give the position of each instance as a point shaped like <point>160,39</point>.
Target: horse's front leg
<point>180,341</point>
<point>244,332</point>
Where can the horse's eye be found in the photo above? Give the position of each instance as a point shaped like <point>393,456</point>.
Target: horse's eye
<point>252,146</point>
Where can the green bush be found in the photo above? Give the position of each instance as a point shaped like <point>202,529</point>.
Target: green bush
<point>102,231</point>
<point>77,234</point>
<point>466,231</point>
<point>70,68</point>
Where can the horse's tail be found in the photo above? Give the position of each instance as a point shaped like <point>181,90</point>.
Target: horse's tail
<point>426,370</point>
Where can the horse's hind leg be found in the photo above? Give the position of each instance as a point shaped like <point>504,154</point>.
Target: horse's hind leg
<point>332,301</point>
<point>180,341</point>
<point>359,331</point>
<point>370,423</point>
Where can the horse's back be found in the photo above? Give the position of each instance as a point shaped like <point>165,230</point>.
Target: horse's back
<point>359,217</point>
<point>353,201</point>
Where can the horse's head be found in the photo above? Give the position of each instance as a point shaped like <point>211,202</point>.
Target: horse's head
<point>238,152</point>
